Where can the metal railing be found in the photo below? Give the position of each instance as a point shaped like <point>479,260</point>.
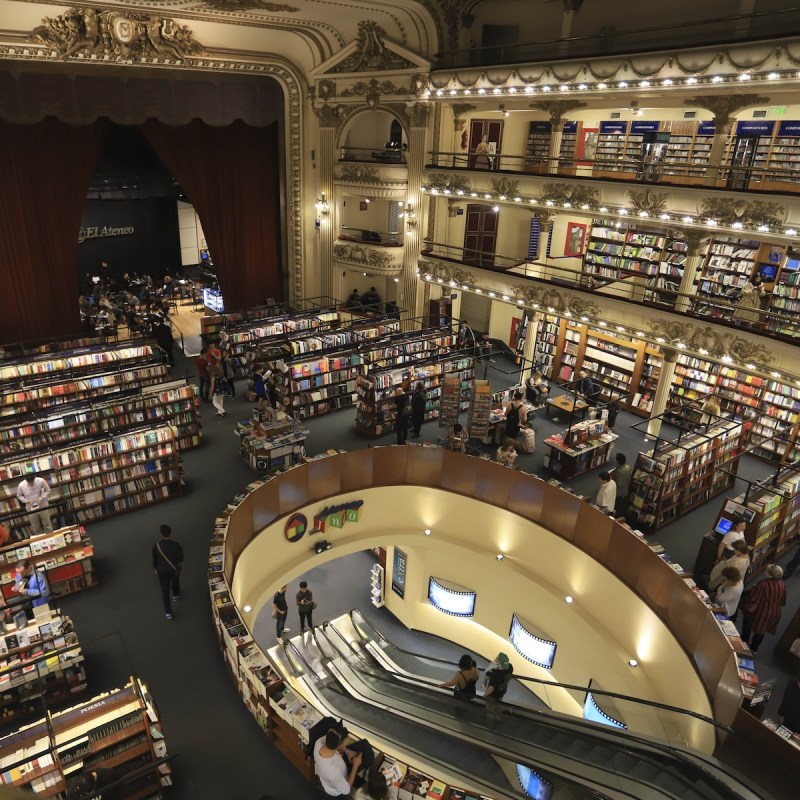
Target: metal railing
<point>644,170</point>
<point>631,287</point>
<point>368,236</point>
<point>609,41</point>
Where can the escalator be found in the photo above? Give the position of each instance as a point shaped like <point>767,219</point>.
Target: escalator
<point>353,681</point>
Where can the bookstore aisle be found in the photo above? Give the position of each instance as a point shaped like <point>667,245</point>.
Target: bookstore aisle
<point>123,631</point>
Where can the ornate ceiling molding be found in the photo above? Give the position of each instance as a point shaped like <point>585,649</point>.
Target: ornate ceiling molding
<point>653,203</point>
<point>748,213</point>
<point>723,107</point>
<point>249,5</point>
<point>577,195</point>
<point>359,174</point>
<point>708,340</point>
<point>371,53</point>
<point>386,190</point>
<point>372,260</point>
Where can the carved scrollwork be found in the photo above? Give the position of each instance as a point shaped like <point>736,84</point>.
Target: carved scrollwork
<point>557,108</point>
<point>326,89</point>
<point>359,174</point>
<point>745,351</point>
<point>568,193</point>
<point>373,90</point>
<point>418,114</point>
<point>504,186</point>
<point>371,54</point>
<point>724,106</point>
<point>370,259</point>
<point>751,213</point>
<point>560,301</point>
<point>248,5</point>
<point>329,116</point>
<point>445,273</point>
<point>647,200</point>
<point>443,182</point>
<point>116,35</point>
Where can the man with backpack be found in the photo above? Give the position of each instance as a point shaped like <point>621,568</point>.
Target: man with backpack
<point>497,680</point>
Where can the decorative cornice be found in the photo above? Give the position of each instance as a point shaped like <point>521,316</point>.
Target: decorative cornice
<point>460,109</point>
<point>557,108</point>
<point>724,106</point>
<point>371,54</point>
<point>372,90</point>
<point>646,200</point>
<point>418,114</point>
<point>372,260</point>
<point>505,186</point>
<point>748,213</point>
<point>448,184</point>
<point>359,174</point>
<point>249,5</point>
<point>577,195</point>
<point>116,36</point>
<point>441,272</point>
<point>329,116</point>
<point>708,340</point>
<point>554,300</point>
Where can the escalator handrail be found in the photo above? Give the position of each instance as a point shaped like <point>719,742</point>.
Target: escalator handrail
<point>555,684</point>
<point>633,743</point>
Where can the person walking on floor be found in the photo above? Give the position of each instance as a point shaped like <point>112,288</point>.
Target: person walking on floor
<point>403,414</point>
<point>280,611</point>
<point>622,478</point>
<point>167,564</point>
<point>763,607</point>
<point>201,365</point>
<point>226,362</point>
<point>218,393</point>
<point>34,494</point>
<point>418,401</point>
<point>607,493</point>
<point>305,606</point>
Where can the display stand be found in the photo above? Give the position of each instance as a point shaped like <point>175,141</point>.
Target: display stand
<point>582,447</point>
<point>272,441</point>
<point>377,585</point>
<point>676,476</point>
<point>480,409</point>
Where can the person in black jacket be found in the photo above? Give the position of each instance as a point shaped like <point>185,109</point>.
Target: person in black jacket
<point>167,563</point>
<point>403,414</point>
<point>92,784</point>
<point>417,409</point>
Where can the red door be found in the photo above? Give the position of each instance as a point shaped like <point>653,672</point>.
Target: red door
<point>480,235</point>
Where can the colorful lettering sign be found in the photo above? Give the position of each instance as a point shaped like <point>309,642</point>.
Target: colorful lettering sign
<point>337,516</point>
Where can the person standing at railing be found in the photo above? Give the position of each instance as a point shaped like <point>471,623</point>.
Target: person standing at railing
<point>748,306</point>
<point>482,153</point>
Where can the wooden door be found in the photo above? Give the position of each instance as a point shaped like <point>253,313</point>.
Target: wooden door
<point>480,235</point>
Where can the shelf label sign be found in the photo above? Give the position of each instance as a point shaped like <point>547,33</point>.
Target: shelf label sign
<point>570,127</point>
<point>644,127</point>
<point>539,127</point>
<point>789,128</point>
<point>706,129</point>
<point>753,128</point>
<point>614,127</point>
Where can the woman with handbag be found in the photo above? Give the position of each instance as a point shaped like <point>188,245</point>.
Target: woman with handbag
<point>305,606</point>
<point>763,607</point>
<point>465,681</point>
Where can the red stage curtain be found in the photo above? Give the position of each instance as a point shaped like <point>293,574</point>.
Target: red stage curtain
<point>46,170</point>
<point>230,175</point>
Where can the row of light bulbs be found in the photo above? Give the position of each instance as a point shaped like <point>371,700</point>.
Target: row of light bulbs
<point>621,211</point>
<point>583,318</point>
<point>712,80</point>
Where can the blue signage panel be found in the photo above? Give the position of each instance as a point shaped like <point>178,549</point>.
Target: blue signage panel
<point>540,127</point>
<point>706,129</point>
<point>617,126</point>
<point>570,127</point>
<point>644,127</point>
<point>761,127</point>
<point>789,128</point>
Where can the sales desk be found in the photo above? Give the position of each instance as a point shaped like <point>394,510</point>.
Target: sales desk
<point>571,461</point>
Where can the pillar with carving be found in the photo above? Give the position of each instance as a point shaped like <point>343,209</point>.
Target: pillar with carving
<point>417,116</point>
<point>556,109</point>
<point>329,121</point>
<point>661,396</point>
<point>694,259</point>
<point>723,107</point>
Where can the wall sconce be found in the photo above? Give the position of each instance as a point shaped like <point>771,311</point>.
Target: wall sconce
<point>410,216</point>
<point>322,206</point>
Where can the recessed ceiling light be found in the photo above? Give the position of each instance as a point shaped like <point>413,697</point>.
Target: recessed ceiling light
<point>247,609</point>
<point>633,662</point>
<point>569,599</point>
<point>427,531</point>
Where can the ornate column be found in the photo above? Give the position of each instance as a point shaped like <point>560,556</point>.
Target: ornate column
<point>662,389</point>
<point>556,109</point>
<point>694,239</point>
<point>329,123</point>
<point>458,123</point>
<point>417,120</point>
<point>723,107</point>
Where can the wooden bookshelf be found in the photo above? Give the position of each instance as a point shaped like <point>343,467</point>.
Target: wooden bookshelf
<point>97,478</point>
<point>537,146</point>
<point>615,252</point>
<point>480,408</point>
<point>65,556</point>
<point>272,442</point>
<point>674,478</point>
<point>782,158</point>
<point>728,265</point>
<point>612,152</point>
<point>568,147</point>
<point>785,298</point>
<point>670,272</point>
<point>778,420</point>
<point>20,350</point>
<point>522,338</point>
<point>581,448</point>
<point>41,659</point>
<point>546,344</point>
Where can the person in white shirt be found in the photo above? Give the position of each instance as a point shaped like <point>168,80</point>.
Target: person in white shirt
<point>725,549</point>
<point>331,768</point>
<point>730,592</point>
<point>33,493</point>
<point>607,494</point>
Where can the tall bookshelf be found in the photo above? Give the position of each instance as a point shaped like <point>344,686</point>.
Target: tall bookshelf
<point>611,152</point>
<point>670,272</point>
<point>775,432</point>
<point>18,350</point>
<point>537,146</point>
<point>522,338</point>
<point>785,298</point>
<point>568,147</point>
<point>42,660</point>
<point>546,344</point>
<point>616,252</point>
<point>728,265</point>
<point>97,478</point>
<point>376,414</point>
<point>688,150</point>
<point>783,159</point>
<point>480,409</point>
<point>174,403</point>
<point>677,476</point>
<point>120,728</point>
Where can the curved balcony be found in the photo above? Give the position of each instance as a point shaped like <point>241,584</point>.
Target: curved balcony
<point>377,253</point>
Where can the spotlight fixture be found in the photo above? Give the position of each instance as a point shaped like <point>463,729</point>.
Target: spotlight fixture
<point>247,609</point>
<point>499,556</point>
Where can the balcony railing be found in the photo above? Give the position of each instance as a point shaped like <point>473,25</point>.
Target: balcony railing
<point>609,41</point>
<point>375,155</point>
<point>367,236</point>
<point>633,288</point>
<point>672,171</point>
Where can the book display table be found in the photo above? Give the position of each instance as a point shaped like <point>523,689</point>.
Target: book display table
<point>579,449</point>
<point>273,442</point>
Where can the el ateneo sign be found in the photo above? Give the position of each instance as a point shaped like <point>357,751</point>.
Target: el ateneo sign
<point>96,232</point>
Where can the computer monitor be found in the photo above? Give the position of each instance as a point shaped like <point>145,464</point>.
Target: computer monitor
<point>724,525</point>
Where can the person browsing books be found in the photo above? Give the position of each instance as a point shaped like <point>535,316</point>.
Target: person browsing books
<point>330,767</point>
<point>622,478</point>
<point>31,583</point>
<point>506,453</point>
<point>375,788</point>
<point>729,592</point>
<point>167,565</point>
<point>92,784</point>
<point>516,416</point>
<point>607,493</point>
<point>34,494</point>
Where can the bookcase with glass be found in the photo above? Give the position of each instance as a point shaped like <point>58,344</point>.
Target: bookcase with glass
<point>65,556</point>
<point>676,476</point>
<point>99,478</point>
<point>40,660</point>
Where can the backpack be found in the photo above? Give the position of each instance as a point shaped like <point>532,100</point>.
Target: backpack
<point>512,418</point>
<point>501,689</point>
<point>320,730</point>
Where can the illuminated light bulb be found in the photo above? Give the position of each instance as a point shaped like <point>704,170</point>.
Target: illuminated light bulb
<point>517,199</point>
<point>773,76</point>
<point>582,86</point>
<point>551,309</point>
<point>487,197</point>
<point>660,340</point>
<point>623,211</point>
<point>711,222</point>
<point>505,297</point>
<point>663,216</point>
<point>548,202</point>
<point>427,531</point>
<point>481,91</point>
<point>496,90</point>
<point>563,88</point>
<point>620,328</point>
<point>703,351</point>
<point>439,92</point>
<point>547,88</point>
<point>602,86</point>
<point>520,302</point>
<point>644,214</point>
<point>737,225</point>
<point>776,374</point>
<point>465,287</point>
<point>584,319</point>
<point>791,232</point>
<point>499,556</point>
<point>532,201</point>
<point>467,91</point>
<point>569,599</point>
<point>750,366</point>
<point>479,291</point>
<point>529,89</point>
<point>585,206</point>
<point>492,294</point>
<point>603,209</point>
<point>473,194</point>
<point>247,609</point>
<point>495,209</point>
<point>512,90</point>
<point>666,82</point>
<point>691,81</point>
<point>623,84</point>
<point>536,306</point>
<point>745,76</point>
<point>644,84</point>
<point>453,91</point>
<point>633,662</point>
<point>640,333</point>
<point>688,219</point>
<point>716,79</point>
<point>603,324</point>
<point>763,228</point>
